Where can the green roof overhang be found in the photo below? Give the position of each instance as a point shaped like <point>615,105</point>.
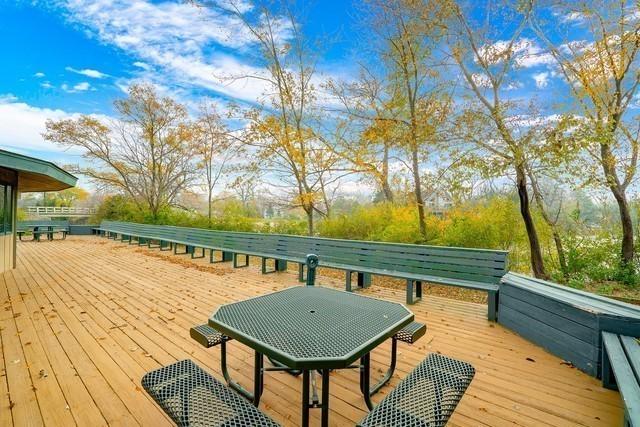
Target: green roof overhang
<point>36,174</point>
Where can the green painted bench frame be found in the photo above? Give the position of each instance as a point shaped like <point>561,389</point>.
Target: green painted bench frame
<point>476,269</point>
<point>621,371</point>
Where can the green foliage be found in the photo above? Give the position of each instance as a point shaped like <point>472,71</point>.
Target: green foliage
<point>494,223</point>
<point>384,222</point>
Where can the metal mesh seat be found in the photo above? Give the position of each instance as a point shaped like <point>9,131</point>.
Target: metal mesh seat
<point>412,332</point>
<point>426,397</point>
<point>207,336</point>
<point>192,397</point>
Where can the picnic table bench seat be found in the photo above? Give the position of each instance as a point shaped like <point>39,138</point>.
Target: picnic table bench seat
<point>206,336</point>
<point>427,397</point>
<point>192,397</point>
<point>621,371</point>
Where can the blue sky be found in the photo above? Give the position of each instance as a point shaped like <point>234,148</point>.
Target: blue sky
<point>62,58</point>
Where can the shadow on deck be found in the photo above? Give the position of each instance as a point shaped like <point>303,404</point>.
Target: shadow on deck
<point>83,319</point>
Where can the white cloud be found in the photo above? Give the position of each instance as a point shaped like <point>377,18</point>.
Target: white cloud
<point>88,72</point>
<point>46,85</point>
<point>78,87</point>
<point>573,17</point>
<point>541,79</point>
<point>142,65</point>
<point>525,52</point>
<point>39,75</point>
<point>179,40</point>
<point>22,125</point>
<point>82,86</point>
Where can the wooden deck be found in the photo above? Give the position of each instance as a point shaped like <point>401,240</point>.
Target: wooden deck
<point>83,319</point>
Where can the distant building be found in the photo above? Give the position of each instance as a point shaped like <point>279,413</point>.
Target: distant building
<point>438,202</point>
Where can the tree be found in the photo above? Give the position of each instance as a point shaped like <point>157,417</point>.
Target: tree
<point>213,149</point>
<point>408,33</point>
<point>602,75</point>
<point>283,144</point>
<point>145,153</point>
<point>504,135</point>
<point>364,138</point>
<point>66,198</point>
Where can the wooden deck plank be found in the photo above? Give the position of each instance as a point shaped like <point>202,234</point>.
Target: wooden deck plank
<point>101,313</point>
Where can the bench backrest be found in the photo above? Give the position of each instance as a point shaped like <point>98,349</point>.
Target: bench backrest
<point>479,265</point>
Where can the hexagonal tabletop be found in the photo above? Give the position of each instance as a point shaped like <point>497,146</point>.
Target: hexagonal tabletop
<point>311,327</point>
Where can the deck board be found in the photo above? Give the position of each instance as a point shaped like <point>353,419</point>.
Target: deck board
<point>82,320</point>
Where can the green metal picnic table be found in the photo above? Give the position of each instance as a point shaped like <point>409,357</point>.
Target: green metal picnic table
<point>310,328</point>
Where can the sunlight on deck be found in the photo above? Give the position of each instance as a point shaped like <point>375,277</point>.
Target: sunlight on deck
<point>83,319</point>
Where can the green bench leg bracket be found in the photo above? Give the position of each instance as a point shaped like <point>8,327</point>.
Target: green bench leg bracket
<point>235,261</point>
<point>492,302</point>
<point>279,265</point>
<point>175,249</point>
<point>164,246</point>
<point>192,251</point>
<point>363,280</point>
<point>418,293</point>
<point>301,277</point>
<point>225,257</point>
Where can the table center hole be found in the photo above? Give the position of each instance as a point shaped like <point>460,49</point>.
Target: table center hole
<point>312,311</point>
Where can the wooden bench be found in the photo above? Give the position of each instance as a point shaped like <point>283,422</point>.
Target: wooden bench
<point>426,397</point>
<point>621,371</point>
<point>566,322</point>
<point>476,269</point>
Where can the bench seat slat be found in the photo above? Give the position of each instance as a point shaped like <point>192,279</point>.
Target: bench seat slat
<point>192,397</point>
<point>426,397</point>
<point>626,379</point>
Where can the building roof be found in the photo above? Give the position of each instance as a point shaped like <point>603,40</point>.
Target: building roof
<point>36,174</point>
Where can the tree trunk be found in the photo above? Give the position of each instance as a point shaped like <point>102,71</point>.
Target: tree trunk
<point>562,259</point>
<point>608,162</point>
<point>537,263</point>
<point>384,178</point>
<point>209,196</point>
<point>627,228</point>
<point>418,192</point>
<point>309,212</point>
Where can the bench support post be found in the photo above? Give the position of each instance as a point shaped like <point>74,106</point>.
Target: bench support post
<point>141,241</point>
<point>193,253</point>
<point>301,277</point>
<point>175,249</point>
<point>278,265</point>
<point>363,280</point>
<point>492,302</point>
<point>164,246</point>
<point>235,261</point>
<point>608,379</point>
<point>225,257</point>
<point>410,285</point>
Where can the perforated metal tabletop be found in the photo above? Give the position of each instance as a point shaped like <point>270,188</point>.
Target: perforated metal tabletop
<point>311,327</point>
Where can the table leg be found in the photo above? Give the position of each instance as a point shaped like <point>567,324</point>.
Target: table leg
<point>365,368</point>
<point>258,385</point>
<point>258,379</point>
<point>325,397</point>
<point>305,398</point>
<point>392,367</point>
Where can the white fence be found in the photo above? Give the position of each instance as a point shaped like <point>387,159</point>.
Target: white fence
<point>58,211</point>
